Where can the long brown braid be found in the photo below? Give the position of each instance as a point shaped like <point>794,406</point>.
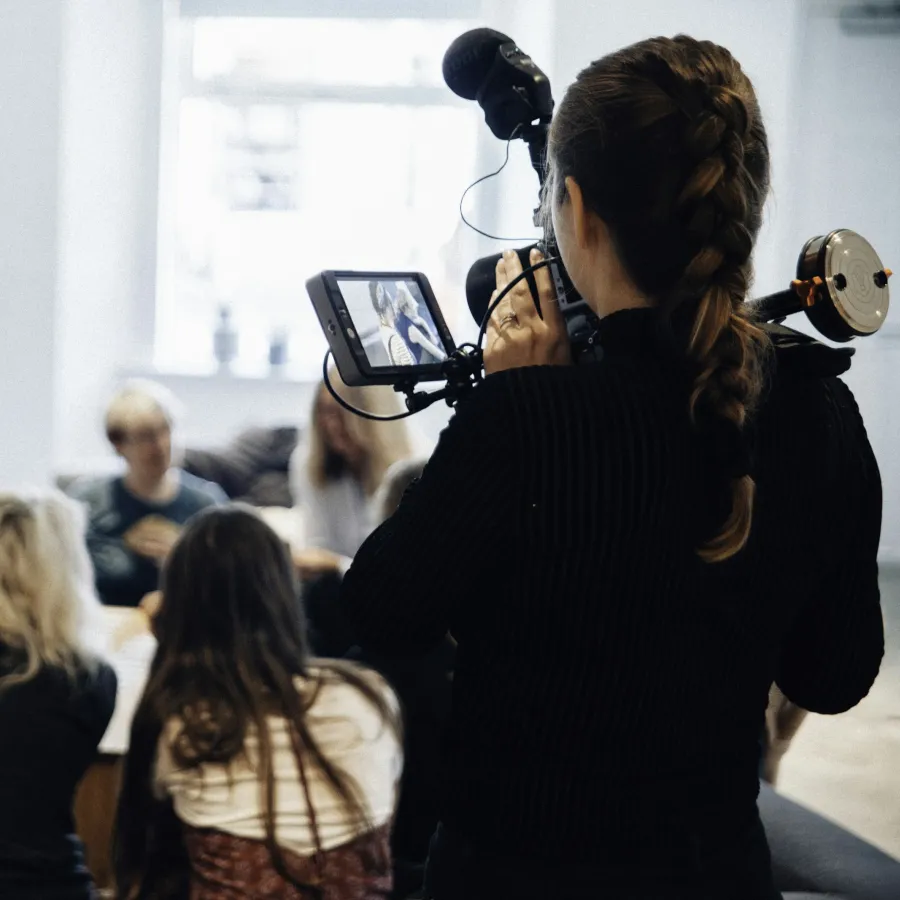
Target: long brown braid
<point>666,141</point>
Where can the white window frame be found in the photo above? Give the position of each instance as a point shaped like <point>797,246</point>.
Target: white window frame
<point>178,82</point>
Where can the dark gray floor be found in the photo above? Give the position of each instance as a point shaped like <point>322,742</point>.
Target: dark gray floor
<point>848,767</point>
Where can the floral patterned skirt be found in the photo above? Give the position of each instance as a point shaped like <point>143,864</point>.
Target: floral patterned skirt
<point>225,867</point>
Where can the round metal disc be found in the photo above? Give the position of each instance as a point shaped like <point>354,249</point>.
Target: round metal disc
<point>861,303</point>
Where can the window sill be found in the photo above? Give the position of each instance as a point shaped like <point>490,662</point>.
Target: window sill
<point>220,376</point>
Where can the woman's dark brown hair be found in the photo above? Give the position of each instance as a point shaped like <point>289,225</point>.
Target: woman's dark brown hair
<point>666,141</point>
<point>232,652</point>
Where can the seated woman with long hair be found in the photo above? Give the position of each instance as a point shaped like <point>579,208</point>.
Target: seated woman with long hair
<point>335,475</point>
<point>56,699</point>
<point>336,472</point>
<point>253,771</point>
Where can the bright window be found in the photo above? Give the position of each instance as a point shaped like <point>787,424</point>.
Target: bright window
<point>299,145</point>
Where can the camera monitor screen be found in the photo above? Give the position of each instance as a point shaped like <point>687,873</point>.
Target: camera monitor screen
<point>383,327</point>
<point>393,322</point>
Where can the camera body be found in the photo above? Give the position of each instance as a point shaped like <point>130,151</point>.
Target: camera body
<point>581,321</point>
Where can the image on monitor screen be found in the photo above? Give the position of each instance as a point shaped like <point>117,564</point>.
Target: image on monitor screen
<point>393,322</point>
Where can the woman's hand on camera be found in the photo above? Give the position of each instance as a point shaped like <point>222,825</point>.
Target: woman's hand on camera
<point>517,336</point>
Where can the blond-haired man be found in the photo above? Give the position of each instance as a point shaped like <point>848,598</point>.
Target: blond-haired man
<point>135,519</point>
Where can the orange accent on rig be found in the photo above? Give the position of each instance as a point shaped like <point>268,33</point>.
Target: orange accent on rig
<point>807,290</point>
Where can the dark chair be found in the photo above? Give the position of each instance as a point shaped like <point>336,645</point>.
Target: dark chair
<point>253,468</point>
<point>813,858</point>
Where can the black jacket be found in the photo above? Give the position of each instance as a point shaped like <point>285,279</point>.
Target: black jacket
<point>610,686</point>
<point>50,728</point>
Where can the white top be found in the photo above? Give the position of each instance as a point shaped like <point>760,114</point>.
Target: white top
<point>123,639</point>
<point>337,515</point>
<point>349,732</point>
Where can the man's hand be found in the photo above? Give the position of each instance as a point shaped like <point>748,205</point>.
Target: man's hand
<point>153,538</point>
<point>134,623</point>
<point>314,561</point>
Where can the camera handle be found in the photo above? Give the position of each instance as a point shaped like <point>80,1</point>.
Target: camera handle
<point>535,136</point>
<point>464,366</point>
<point>462,371</point>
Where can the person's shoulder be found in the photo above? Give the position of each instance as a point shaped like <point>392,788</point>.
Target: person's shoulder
<point>803,382</point>
<point>813,406</point>
<point>538,393</point>
<point>97,686</point>
<point>99,677</point>
<point>199,492</point>
<point>89,689</point>
<point>96,492</point>
<point>339,690</point>
<point>819,420</point>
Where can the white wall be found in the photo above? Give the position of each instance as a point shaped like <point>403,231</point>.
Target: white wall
<point>762,36</point>
<point>843,168</point>
<point>110,140</point>
<point>30,40</point>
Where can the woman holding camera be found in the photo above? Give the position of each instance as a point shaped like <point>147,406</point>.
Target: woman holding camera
<point>632,552</point>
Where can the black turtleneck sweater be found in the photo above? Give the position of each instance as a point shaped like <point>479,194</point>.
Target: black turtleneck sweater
<point>610,686</point>
<point>50,728</point>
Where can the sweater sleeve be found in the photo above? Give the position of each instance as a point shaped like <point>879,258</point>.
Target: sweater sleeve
<point>297,473</point>
<point>834,649</point>
<point>114,564</point>
<point>101,688</point>
<point>408,578</point>
<point>215,495</point>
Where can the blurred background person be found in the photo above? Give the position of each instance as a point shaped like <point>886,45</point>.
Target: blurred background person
<point>335,475</point>
<point>56,697</point>
<point>135,519</point>
<point>337,470</point>
<point>253,771</point>
<point>419,337</point>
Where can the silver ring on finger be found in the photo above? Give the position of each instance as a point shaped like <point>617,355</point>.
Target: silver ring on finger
<point>509,317</point>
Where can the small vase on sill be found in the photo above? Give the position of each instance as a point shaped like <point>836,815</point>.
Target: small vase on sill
<point>225,341</point>
<point>278,353</point>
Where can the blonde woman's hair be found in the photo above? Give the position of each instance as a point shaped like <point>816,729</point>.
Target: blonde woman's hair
<point>384,442</point>
<point>137,401</point>
<point>47,596</point>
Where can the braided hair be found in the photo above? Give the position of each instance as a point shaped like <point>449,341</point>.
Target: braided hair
<point>666,141</point>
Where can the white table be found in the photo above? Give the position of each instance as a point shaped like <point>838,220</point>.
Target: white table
<point>129,649</point>
<point>124,641</point>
